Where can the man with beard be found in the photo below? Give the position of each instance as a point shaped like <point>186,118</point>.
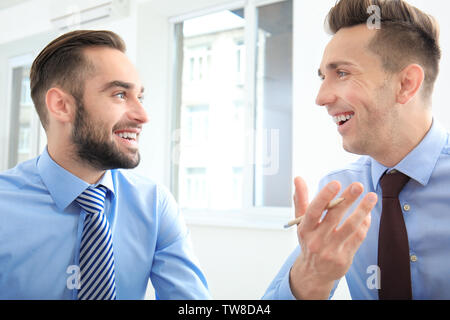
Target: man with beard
<point>72,225</point>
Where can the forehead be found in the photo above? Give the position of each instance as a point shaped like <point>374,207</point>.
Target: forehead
<point>111,65</point>
<point>350,45</point>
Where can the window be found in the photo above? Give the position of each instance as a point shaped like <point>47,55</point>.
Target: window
<point>198,60</point>
<point>24,128</point>
<point>195,125</point>
<point>194,188</point>
<point>273,152</point>
<point>24,139</point>
<point>233,97</point>
<point>240,62</point>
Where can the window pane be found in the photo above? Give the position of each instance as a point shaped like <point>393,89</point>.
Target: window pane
<point>273,145</point>
<point>211,148</point>
<point>22,117</point>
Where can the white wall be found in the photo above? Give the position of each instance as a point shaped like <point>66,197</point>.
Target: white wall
<point>439,9</point>
<point>239,262</point>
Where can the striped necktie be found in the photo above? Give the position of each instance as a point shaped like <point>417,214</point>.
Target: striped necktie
<point>97,276</point>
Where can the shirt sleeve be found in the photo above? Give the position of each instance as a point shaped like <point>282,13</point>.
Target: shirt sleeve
<point>279,288</point>
<point>175,273</point>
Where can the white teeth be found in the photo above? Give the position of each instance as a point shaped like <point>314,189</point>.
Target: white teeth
<point>127,135</point>
<point>342,117</point>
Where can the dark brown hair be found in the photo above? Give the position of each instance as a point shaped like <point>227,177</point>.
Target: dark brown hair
<point>62,63</point>
<point>407,35</point>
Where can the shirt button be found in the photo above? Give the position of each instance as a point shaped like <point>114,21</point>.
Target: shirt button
<point>406,207</point>
<point>413,258</point>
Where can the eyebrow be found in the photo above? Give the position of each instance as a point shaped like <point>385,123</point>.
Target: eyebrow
<point>334,66</point>
<point>118,83</point>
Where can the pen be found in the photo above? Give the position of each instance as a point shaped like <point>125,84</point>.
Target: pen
<point>332,204</point>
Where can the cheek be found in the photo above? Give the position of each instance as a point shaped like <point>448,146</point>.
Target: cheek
<point>354,99</point>
<point>104,122</point>
<point>367,102</point>
<point>355,94</point>
<point>384,104</point>
<point>102,127</point>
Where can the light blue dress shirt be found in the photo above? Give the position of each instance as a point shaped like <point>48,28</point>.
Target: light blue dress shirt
<point>41,227</point>
<point>425,202</point>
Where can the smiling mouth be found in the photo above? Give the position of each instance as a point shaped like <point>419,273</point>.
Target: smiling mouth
<point>343,118</point>
<point>129,137</point>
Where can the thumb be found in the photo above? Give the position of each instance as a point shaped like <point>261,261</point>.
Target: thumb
<point>300,197</point>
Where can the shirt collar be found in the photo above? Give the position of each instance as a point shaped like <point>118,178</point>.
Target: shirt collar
<point>64,187</point>
<point>420,162</point>
<point>106,181</point>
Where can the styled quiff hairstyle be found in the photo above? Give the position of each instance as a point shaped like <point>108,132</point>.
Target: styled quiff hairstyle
<point>407,35</point>
<point>62,63</point>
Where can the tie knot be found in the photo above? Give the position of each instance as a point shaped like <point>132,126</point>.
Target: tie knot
<point>92,200</point>
<point>392,183</point>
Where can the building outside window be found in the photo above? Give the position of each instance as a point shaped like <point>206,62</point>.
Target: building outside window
<point>234,103</point>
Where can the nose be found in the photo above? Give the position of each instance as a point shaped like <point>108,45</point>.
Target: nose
<point>326,94</point>
<point>137,112</point>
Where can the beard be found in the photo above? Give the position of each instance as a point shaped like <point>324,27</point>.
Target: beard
<point>94,145</point>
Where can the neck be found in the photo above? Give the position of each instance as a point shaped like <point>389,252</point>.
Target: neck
<point>67,158</point>
<point>408,135</point>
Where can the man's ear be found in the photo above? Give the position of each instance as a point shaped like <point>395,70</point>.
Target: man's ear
<point>411,80</point>
<point>60,104</point>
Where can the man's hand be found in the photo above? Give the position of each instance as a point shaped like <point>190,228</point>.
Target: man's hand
<point>327,250</point>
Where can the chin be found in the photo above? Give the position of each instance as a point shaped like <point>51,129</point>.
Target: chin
<point>354,149</point>
<point>130,161</point>
<point>112,159</point>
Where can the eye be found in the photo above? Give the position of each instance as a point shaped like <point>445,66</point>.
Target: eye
<point>120,95</point>
<point>341,74</point>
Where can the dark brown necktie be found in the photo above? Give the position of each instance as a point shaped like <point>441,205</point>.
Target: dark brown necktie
<point>393,248</point>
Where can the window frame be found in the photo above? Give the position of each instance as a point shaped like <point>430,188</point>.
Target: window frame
<point>21,60</point>
<point>249,216</point>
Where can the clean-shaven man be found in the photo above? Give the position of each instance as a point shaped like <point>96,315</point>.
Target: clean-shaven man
<point>391,234</point>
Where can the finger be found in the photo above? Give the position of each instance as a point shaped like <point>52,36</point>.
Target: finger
<point>353,222</point>
<point>319,204</point>
<point>334,216</point>
<point>355,240</point>
<point>300,197</point>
